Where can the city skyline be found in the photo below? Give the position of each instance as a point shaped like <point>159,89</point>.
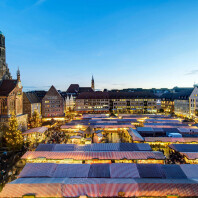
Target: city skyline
<point>147,44</point>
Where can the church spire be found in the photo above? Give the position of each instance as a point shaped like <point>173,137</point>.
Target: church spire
<point>18,74</point>
<point>92,83</point>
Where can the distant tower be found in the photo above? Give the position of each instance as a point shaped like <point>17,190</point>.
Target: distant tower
<point>4,71</point>
<point>18,74</point>
<point>92,83</point>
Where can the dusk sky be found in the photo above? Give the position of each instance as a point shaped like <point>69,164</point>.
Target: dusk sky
<point>123,43</point>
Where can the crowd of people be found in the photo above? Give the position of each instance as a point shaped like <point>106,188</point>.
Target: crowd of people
<point>56,137</point>
<point>8,165</point>
<point>176,158</point>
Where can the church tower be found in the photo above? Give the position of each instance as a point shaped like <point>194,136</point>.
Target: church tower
<point>18,74</point>
<point>4,71</point>
<point>92,83</point>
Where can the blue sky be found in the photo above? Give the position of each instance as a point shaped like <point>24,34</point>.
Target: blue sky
<point>123,43</point>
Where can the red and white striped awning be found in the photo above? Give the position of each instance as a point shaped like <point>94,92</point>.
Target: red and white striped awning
<point>104,155</point>
<point>190,155</point>
<point>102,188</point>
<point>171,139</point>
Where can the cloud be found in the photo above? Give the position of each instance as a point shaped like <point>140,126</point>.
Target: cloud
<point>192,72</point>
<point>31,88</point>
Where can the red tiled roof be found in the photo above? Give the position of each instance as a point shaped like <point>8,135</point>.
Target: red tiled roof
<point>73,88</point>
<point>7,86</point>
<point>85,89</point>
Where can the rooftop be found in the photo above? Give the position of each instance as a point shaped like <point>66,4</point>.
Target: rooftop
<point>95,147</point>
<point>32,97</point>
<point>7,86</point>
<point>104,180</point>
<point>89,155</point>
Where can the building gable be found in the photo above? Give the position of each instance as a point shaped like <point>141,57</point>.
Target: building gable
<point>52,92</point>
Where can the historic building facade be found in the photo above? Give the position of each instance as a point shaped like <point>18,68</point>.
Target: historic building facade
<point>11,101</point>
<point>193,102</point>
<point>52,104</point>
<point>118,102</point>
<point>31,103</point>
<point>11,95</point>
<point>69,103</point>
<point>73,91</point>
<point>182,103</point>
<point>167,102</point>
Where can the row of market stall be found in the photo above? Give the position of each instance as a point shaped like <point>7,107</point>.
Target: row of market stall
<point>104,180</point>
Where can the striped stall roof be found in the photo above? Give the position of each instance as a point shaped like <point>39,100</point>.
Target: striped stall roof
<point>38,180</point>
<point>124,171</point>
<point>45,147</point>
<point>190,139</point>
<point>112,125</point>
<point>36,130</point>
<point>184,147</point>
<point>187,130</point>
<point>135,147</point>
<point>162,120</point>
<point>150,171</point>
<point>114,170</point>
<point>40,190</point>
<point>113,189</point>
<point>135,135</point>
<point>89,188</point>
<point>128,147</point>
<point>105,147</point>
<point>71,170</point>
<point>190,170</point>
<point>86,147</point>
<point>159,130</point>
<point>93,187</point>
<point>64,147</point>
<point>144,147</point>
<point>166,126</point>
<point>99,171</point>
<point>173,172</point>
<point>73,126</point>
<point>108,155</point>
<point>95,147</point>
<point>190,155</point>
<point>38,170</point>
<point>164,189</point>
<point>170,139</point>
<point>145,129</point>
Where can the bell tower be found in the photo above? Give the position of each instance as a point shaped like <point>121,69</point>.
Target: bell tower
<point>92,83</point>
<point>2,47</point>
<point>4,71</point>
<point>18,74</point>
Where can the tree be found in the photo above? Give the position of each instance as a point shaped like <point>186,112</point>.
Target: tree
<point>35,120</point>
<point>161,111</point>
<point>13,136</point>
